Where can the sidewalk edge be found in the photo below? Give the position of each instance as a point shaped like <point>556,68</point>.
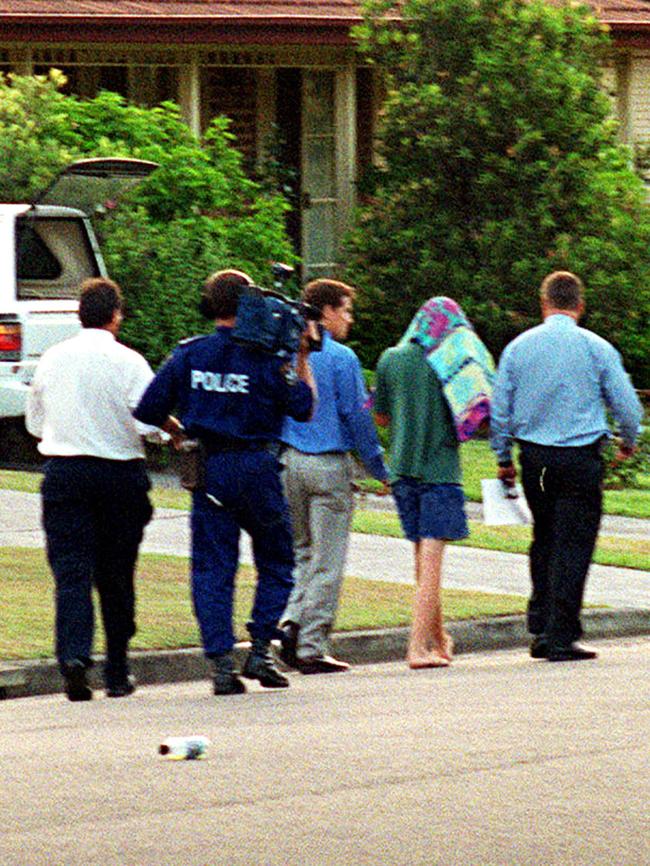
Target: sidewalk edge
<point>30,678</point>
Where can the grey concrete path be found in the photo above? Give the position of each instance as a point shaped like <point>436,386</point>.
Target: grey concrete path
<point>370,556</point>
<point>496,761</point>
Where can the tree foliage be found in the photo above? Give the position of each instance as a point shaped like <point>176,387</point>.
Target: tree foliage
<point>196,213</point>
<point>499,163</point>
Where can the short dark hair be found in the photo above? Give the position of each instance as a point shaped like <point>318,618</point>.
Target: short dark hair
<point>327,293</point>
<point>100,298</point>
<point>562,290</point>
<point>221,293</point>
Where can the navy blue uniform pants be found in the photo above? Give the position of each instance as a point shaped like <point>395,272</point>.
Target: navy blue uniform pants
<point>242,491</point>
<point>94,514</point>
<point>563,487</point>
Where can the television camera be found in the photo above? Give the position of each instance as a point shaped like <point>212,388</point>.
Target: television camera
<point>269,320</point>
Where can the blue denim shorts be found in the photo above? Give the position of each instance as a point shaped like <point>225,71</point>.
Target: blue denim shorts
<point>430,510</point>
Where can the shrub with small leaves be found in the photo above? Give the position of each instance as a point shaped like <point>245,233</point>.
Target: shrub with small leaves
<point>499,163</point>
<point>197,213</point>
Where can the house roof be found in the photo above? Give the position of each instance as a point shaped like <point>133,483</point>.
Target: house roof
<point>347,10</point>
<point>292,21</point>
<point>623,14</point>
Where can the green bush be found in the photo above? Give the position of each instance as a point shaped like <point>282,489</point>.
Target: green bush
<point>34,136</point>
<point>627,474</point>
<point>197,213</point>
<point>500,163</point>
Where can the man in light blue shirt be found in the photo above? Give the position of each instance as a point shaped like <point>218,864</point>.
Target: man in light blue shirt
<point>318,482</point>
<point>554,384</point>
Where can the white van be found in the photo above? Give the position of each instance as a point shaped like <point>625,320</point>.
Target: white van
<point>47,249</point>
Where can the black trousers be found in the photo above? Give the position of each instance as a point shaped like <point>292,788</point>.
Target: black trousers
<point>94,514</point>
<point>563,487</point>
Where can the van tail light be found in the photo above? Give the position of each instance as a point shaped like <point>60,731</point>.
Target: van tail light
<point>11,339</point>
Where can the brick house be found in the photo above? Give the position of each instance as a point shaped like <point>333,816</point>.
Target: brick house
<point>285,64</point>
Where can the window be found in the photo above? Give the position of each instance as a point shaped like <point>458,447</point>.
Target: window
<point>53,257</point>
<point>233,92</point>
<point>34,260</point>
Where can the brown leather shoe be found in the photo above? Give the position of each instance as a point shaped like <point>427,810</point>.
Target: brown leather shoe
<point>321,665</point>
<point>289,643</point>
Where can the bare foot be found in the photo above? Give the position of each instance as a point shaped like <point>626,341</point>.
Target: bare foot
<point>447,650</point>
<point>430,660</point>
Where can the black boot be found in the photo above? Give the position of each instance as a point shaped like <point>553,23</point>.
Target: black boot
<point>76,684</point>
<point>539,647</point>
<point>121,689</point>
<point>260,666</point>
<point>119,682</point>
<point>226,681</point>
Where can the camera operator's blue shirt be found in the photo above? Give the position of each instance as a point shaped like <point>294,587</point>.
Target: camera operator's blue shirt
<point>220,388</point>
<point>341,420</point>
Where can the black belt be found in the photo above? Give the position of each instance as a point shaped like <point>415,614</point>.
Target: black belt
<point>92,458</point>
<point>220,444</point>
<point>596,447</point>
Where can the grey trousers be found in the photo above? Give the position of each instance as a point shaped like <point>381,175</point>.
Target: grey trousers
<point>318,488</point>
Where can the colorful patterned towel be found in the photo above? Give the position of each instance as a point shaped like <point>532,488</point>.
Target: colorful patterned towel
<point>458,358</point>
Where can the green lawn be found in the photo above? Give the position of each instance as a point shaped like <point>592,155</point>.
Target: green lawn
<point>610,550</point>
<point>165,618</point>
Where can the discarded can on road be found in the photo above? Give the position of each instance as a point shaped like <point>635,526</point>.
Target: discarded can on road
<point>184,748</point>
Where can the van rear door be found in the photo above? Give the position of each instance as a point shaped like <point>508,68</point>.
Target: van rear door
<point>94,185</point>
<point>56,248</point>
<point>47,249</point>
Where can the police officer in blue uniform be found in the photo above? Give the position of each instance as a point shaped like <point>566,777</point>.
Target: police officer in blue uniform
<point>233,398</point>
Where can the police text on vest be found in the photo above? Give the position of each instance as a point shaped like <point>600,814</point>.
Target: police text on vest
<point>224,383</point>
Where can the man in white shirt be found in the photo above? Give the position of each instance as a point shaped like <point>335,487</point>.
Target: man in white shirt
<point>94,491</point>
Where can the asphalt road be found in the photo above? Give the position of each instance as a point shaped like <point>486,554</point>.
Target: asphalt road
<point>497,760</point>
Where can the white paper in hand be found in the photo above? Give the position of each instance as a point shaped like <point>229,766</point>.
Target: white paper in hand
<point>501,510</point>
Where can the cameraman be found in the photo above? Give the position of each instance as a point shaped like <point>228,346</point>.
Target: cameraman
<point>233,399</point>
